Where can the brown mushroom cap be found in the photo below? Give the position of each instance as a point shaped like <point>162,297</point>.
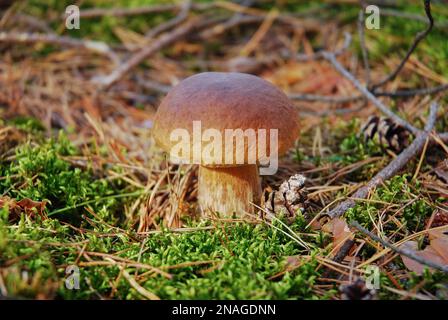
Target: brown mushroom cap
<point>226,101</point>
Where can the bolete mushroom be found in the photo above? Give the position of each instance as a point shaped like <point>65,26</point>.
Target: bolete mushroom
<point>224,112</point>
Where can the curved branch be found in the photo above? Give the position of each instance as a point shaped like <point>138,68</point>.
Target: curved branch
<point>392,168</point>
<point>419,37</point>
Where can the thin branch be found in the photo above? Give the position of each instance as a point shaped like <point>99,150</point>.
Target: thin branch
<point>134,284</point>
<point>419,37</point>
<point>413,92</point>
<point>325,99</point>
<point>412,16</point>
<point>34,22</point>
<point>338,111</point>
<point>321,54</point>
<point>229,24</point>
<point>444,136</point>
<point>178,19</point>
<point>331,57</point>
<point>344,250</point>
<point>153,85</point>
<point>162,42</point>
<point>392,168</point>
<point>362,42</point>
<point>402,251</point>
<point>96,46</point>
<point>236,19</point>
<point>122,12</point>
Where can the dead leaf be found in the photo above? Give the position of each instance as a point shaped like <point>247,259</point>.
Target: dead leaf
<point>27,206</point>
<point>436,251</point>
<point>340,231</point>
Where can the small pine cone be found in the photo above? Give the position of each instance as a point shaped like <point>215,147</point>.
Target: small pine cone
<point>291,198</point>
<point>356,291</point>
<point>386,132</point>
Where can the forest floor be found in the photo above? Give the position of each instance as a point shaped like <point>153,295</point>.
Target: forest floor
<point>84,188</point>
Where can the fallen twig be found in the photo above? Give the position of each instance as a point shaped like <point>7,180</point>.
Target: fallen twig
<point>178,19</point>
<point>331,57</point>
<point>321,54</point>
<point>412,16</point>
<point>231,23</point>
<point>444,136</point>
<point>402,251</point>
<point>392,168</point>
<point>419,37</point>
<point>134,284</point>
<point>122,12</point>
<point>144,53</point>
<point>153,85</point>
<point>362,42</point>
<point>96,46</point>
<point>326,99</point>
<point>413,92</point>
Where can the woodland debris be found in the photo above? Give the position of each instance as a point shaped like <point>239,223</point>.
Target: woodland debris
<point>392,168</point>
<point>436,251</point>
<point>9,138</point>
<point>357,291</point>
<point>158,44</point>
<point>386,132</point>
<point>27,206</point>
<point>290,199</point>
<point>406,250</point>
<point>441,171</point>
<point>339,230</point>
<point>439,219</point>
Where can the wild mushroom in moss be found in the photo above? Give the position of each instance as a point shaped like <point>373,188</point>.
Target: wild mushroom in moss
<point>228,124</point>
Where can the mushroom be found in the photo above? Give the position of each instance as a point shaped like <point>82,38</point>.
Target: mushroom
<point>219,108</point>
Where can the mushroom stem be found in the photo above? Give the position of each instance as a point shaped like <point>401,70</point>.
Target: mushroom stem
<point>229,190</point>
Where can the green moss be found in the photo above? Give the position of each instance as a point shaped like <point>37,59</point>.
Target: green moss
<point>395,191</point>
<point>39,171</point>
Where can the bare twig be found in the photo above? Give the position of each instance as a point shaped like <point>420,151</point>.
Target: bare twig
<point>444,136</point>
<point>362,42</point>
<point>402,251</point>
<point>231,23</point>
<point>321,54</point>
<point>419,37</point>
<point>178,19</point>
<point>137,287</point>
<point>412,16</point>
<point>392,168</point>
<point>153,85</point>
<point>33,22</point>
<point>236,19</point>
<point>326,99</point>
<point>122,12</point>
<point>96,46</point>
<point>331,57</point>
<point>162,42</point>
<point>338,111</point>
<point>413,92</point>
<point>344,250</point>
